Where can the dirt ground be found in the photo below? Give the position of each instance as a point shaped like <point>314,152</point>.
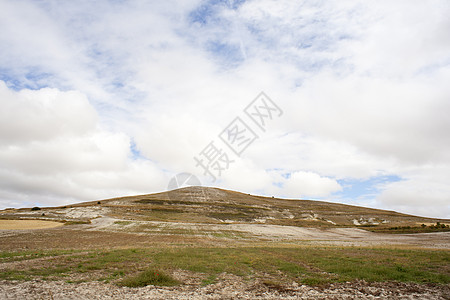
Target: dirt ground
<point>104,233</point>
<point>229,287</point>
<point>106,228</point>
<point>88,236</point>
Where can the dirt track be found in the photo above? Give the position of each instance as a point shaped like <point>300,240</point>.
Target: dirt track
<point>104,233</point>
<point>329,236</point>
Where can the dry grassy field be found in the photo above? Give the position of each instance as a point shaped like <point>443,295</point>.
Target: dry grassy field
<point>203,243</point>
<point>27,224</point>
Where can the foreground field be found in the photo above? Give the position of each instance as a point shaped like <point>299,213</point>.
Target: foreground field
<point>204,243</point>
<point>265,272</point>
<point>273,265</point>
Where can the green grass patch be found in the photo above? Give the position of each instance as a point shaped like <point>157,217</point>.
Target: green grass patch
<point>438,227</point>
<point>77,222</point>
<point>149,277</point>
<point>211,279</point>
<point>234,216</point>
<point>46,272</point>
<point>306,265</point>
<point>13,275</point>
<point>9,256</point>
<point>123,223</point>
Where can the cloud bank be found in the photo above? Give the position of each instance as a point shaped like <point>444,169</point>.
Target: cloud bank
<point>114,98</point>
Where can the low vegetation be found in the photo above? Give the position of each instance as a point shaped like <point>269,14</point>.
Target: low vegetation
<point>149,277</point>
<point>215,206</point>
<point>279,265</point>
<point>194,238</point>
<point>438,227</point>
<point>78,222</point>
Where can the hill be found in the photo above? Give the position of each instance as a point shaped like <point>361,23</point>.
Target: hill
<point>219,244</point>
<point>217,206</point>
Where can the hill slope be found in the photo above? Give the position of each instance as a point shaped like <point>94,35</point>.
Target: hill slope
<point>218,206</point>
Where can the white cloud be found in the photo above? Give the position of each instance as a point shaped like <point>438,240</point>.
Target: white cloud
<point>42,115</point>
<point>309,185</point>
<point>382,117</point>
<point>422,192</point>
<point>53,148</point>
<point>245,176</point>
<point>403,38</point>
<point>363,86</point>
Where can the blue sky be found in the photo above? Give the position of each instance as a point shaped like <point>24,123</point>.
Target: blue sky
<point>114,98</point>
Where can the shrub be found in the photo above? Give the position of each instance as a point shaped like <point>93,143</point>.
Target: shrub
<point>36,208</point>
<point>77,222</point>
<point>149,277</point>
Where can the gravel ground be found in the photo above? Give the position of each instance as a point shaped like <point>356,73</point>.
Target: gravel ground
<point>228,288</point>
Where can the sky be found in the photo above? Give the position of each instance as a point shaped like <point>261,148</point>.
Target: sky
<point>103,99</point>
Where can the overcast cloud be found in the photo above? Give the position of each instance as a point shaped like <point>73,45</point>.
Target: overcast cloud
<point>112,98</point>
